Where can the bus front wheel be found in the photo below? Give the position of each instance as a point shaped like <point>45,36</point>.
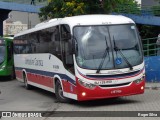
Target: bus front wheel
<point>13,75</point>
<point>59,93</point>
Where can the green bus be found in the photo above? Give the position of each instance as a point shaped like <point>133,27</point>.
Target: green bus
<point>6,57</point>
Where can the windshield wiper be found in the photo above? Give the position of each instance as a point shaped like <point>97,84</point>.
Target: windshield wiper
<point>104,56</point>
<point>126,60</point>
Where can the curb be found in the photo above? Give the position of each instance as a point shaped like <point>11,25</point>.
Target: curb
<point>153,87</point>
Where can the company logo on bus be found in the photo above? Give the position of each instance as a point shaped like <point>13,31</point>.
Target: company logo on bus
<point>20,41</point>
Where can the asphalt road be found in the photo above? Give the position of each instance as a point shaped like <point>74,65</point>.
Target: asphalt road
<point>14,97</point>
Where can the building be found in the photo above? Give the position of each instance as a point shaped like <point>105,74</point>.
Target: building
<point>148,3</point>
<point>11,28</point>
<point>19,21</point>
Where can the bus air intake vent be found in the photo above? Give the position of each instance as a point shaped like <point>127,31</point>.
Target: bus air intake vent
<point>112,76</point>
<point>116,85</point>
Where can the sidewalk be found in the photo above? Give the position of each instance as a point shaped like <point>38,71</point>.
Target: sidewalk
<point>150,85</point>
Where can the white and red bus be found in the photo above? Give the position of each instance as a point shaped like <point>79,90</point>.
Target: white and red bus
<point>82,57</point>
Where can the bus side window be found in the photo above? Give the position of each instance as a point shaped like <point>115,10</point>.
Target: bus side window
<point>54,46</point>
<point>32,39</point>
<point>42,44</point>
<point>16,49</point>
<point>67,48</point>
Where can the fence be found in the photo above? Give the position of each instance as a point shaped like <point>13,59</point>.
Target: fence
<point>138,10</point>
<point>150,47</point>
<point>152,59</point>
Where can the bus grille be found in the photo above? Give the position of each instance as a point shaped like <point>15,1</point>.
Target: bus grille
<point>116,85</point>
<point>112,76</point>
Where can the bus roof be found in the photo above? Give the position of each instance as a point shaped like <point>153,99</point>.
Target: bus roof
<point>80,20</point>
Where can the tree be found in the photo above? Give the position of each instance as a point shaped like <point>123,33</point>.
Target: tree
<point>126,6</point>
<point>60,8</point>
<point>64,8</point>
<point>156,10</point>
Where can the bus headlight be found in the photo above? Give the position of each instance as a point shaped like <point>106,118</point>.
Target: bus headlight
<point>85,84</point>
<point>139,80</point>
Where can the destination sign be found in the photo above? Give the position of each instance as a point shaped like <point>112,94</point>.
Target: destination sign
<point>20,41</point>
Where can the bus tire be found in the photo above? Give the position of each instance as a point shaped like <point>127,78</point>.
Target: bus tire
<point>27,86</point>
<point>13,75</point>
<point>59,93</point>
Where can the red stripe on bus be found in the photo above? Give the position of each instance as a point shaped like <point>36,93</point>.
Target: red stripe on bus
<point>68,87</point>
<point>18,74</point>
<point>39,79</point>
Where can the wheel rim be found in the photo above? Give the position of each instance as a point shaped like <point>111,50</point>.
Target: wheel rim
<point>25,82</point>
<point>60,91</point>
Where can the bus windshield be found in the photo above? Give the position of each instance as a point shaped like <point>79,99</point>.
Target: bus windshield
<point>2,53</point>
<point>107,46</point>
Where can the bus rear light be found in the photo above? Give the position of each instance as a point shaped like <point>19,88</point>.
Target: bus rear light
<point>85,84</point>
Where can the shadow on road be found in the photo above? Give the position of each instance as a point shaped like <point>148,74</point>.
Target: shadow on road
<point>5,79</point>
<point>40,91</point>
<point>91,103</point>
<point>105,102</point>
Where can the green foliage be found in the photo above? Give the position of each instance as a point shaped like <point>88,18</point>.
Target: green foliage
<point>127,6</point>
<point>50,10</point>
<point>64,8</point>
<point>156,10</point>
<point>148,31</point>
<point>60,8</point>
<point>149,36</point>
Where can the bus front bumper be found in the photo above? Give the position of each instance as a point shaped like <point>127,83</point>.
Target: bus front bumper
<point>101,93</point>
